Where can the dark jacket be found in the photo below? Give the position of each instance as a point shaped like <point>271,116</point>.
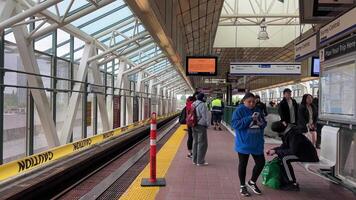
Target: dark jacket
<point>283,110</point>
<point>303,117</point>
<point>295,143</point>
<point>316,102</point>
<point>262,107</point>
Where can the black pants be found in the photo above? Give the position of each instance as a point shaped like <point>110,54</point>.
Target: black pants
<point>257,169</point>
<point>190,139</point>
<point>288,171</point>
<point>318,133</point>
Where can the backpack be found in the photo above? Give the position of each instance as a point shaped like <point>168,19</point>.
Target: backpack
<point>192,118</point>
<point>183,116</point>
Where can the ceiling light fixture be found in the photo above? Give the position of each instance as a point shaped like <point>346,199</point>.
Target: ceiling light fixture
<point>263,35</point>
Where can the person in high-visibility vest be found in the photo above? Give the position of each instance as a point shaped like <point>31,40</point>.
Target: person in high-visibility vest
<point>217,109</point>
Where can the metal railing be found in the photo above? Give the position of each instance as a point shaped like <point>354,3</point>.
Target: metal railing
<point>228,111</point>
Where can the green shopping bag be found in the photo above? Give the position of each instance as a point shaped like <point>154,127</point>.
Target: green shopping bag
<point>271,174</point>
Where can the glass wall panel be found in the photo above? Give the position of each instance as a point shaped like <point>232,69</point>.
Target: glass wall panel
<point>62,98</point>
<point>63,44</point>
<point>347,154</point>
<point>77,127</point>
<point>15,102</point>
<point>44,44</point>
<point>44,65</point>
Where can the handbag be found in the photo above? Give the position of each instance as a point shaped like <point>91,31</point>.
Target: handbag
<point>271,174</point>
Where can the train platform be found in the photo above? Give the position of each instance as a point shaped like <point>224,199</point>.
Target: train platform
<point>219,180</point>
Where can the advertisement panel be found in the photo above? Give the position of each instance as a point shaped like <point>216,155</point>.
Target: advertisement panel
<point>116,111</point>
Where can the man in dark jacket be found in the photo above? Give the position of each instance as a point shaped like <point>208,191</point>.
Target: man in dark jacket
<point>295,148</point>
<point>261,105</point>
<point>288,108</point>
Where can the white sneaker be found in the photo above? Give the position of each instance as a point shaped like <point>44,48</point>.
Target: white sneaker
<point>203,164</point>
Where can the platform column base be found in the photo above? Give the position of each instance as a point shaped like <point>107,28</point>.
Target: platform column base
<point>161,182</point>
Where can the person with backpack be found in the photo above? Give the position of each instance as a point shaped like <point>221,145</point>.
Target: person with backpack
<point>295,147</point>
<point>249,124</point>
<point>188,107</point>
<point>198,119</point>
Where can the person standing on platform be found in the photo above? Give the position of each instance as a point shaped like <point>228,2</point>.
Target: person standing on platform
<point>200,137</point>
<point>217,109</point>
<point>288,108</point>
<point>249,125</point>
<point>188,107</point>
<point>307,117</point>
<point>261,106</point>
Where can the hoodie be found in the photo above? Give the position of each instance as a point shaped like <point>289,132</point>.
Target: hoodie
<point>202,113</point>
<point>295,143</point>
<point>248,140</point>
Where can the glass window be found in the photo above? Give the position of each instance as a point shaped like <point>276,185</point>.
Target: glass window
<point>62,98</point>
<point>347,154</point>
<point>63,44</point>
<point>100,124</point>
<point>44,44</point>
<point>44,65</point>
<point>77,127</point>
<point>15,102</point>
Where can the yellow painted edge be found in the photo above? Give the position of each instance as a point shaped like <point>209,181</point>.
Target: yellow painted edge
<point>164,159</point>
<point>16,167</point>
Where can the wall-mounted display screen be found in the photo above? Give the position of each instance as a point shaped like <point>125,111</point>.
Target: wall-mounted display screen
<point>315,67</point>
<point>201,66</point>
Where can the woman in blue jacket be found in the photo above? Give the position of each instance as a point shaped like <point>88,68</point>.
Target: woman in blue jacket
<point>249,124</point>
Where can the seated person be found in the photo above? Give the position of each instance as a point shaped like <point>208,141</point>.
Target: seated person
<point>295,148</point>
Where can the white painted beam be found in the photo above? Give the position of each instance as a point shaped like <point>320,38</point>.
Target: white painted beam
<point>139,87</point>
<point>26,13</point>
<point>7,8</point>
<point>166,70</point>
<point>100,97</point>
<point>71,18</point>
<point>125,43</point>
<point>76,96</point>
<point>144,64</point>
<point>165,79</point>
<point>30,64</point>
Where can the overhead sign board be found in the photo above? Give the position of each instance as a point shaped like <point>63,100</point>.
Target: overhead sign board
<point>305,48</point>
<point>260,69</point>
<point>343,47</point>
<point>215,80</point>
<point>345,23</point>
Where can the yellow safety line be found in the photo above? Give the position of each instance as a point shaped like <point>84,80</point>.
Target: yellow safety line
<point>164,160</point>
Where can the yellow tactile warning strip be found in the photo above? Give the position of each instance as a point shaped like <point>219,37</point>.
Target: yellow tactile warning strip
<point>164,159</point>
